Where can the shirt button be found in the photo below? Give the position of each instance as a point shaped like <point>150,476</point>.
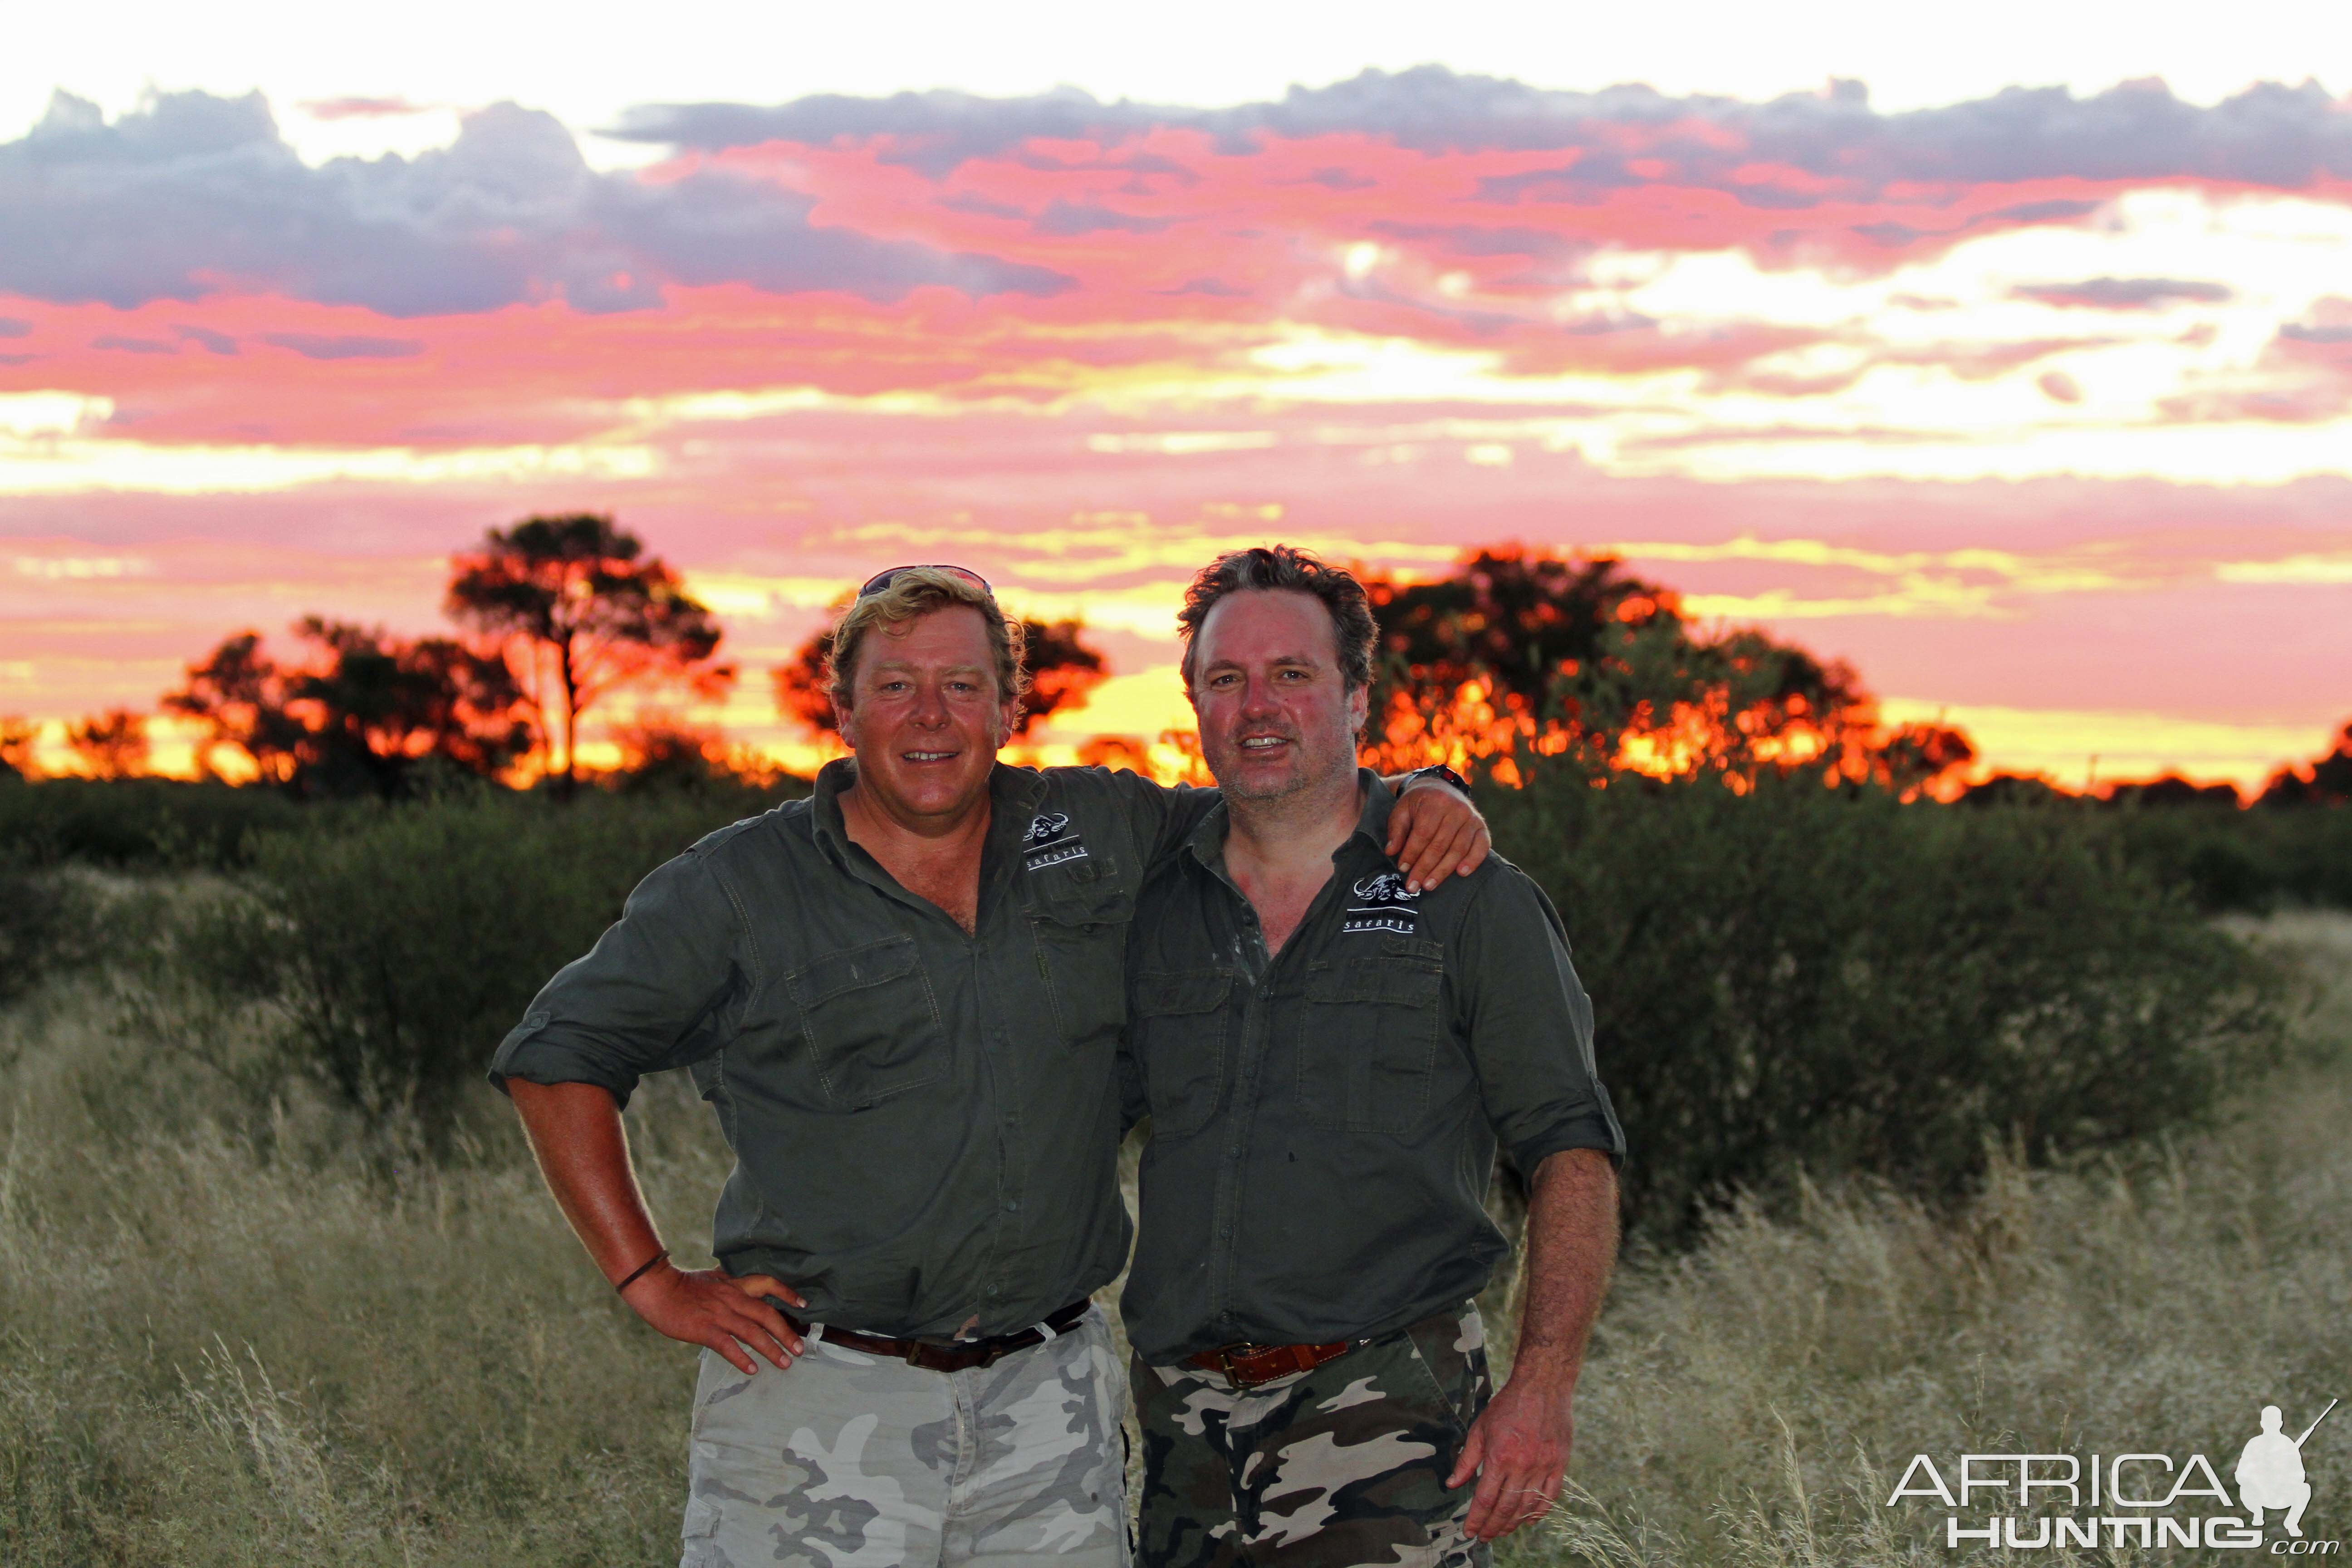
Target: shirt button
<point>1012,1206</point>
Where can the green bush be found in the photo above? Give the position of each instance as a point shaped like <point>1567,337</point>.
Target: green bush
<point>44,924</point>
<point>399,943</point>
<point>134,822</point>
<point>1797,977</point>
<point>2248,860</point>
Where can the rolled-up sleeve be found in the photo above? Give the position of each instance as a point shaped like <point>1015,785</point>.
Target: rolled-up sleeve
<point>1529,1024</point>
<point>658,989</point>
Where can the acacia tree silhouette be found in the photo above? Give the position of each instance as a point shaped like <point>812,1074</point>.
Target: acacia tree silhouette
<point>1522,650</point>
<point>112,744</point>
<point>2324,781</point>
<point>361,714</point>
<point>580,610</point>
<point>1061,670</point>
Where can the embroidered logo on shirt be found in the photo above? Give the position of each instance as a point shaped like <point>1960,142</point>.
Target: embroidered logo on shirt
<point>1383,903</point>
<point>1050,842</point>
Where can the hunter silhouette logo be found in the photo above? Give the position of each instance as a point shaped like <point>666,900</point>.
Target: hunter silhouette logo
<point>2144,1500</point>
<point>2269,1471</point>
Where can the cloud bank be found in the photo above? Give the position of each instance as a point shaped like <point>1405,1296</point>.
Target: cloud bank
<point>196,193</point>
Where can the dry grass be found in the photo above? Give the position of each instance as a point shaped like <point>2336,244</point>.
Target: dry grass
<point>1752,1401</point>
<point>231,1332</point>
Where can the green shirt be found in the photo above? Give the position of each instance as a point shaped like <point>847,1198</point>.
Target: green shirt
<point>925,1122</point>
<point>1324,1121</point>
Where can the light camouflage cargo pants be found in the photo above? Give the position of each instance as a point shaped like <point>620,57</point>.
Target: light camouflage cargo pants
<point>847,1461</point>
<point>1328,1469</point>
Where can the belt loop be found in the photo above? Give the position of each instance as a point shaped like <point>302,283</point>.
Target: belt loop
<point>1050,1332</point>
<point>815,1334</point>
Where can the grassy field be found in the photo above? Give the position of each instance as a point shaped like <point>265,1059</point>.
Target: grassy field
<point>235,1330</point>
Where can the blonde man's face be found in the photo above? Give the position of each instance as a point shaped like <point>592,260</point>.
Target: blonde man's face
<point>926,717</point>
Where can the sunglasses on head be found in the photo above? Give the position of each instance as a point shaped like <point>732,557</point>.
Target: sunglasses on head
<point>881,580</point>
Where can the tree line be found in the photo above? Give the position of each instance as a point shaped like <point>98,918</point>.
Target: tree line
<point>1514,659</point>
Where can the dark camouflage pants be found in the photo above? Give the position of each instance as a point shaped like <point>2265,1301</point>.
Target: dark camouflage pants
<point>1328,1469</point>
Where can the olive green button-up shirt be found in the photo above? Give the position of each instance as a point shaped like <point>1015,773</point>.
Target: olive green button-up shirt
<point>925,1124</point>
<point>1324,1120</point>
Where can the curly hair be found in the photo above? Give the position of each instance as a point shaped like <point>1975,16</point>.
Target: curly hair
<point>1294,571</point>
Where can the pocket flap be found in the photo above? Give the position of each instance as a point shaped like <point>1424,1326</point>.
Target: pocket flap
<point>854,969</point>
<point>1085,892</point>
<point>1185,991</point>
<point>1407,981</point>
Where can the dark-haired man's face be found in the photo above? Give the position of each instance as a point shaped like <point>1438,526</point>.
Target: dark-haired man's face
<point>1276,716</point>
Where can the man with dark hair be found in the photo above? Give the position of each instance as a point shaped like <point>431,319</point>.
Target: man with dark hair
<point>1330,1055</point>
<point>903,997</point>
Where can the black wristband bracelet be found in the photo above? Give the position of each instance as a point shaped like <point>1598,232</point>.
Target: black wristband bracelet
<point>639,1272</point>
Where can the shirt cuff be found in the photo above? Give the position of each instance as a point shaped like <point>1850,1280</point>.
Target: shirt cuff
<point>531,1055</point>
<point>1595,1129</point>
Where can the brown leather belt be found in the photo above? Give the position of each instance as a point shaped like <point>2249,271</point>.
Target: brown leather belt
<point>1247,1365</point>
<point>945,1355</point>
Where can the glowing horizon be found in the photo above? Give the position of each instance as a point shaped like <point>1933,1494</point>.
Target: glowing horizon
<point>2035,409</point>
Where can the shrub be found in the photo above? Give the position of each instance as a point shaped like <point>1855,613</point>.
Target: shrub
<point>402,942</point>
<point>1801,976</point>
<point>134,822</point>
<point>2251,860</point>
<point>42,925</point>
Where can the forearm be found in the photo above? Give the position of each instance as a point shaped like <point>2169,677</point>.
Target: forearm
<point>1572,1245</point>
<point>583,1151</point>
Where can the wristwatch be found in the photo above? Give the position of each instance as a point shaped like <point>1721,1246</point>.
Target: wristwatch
<point>1443,774</point>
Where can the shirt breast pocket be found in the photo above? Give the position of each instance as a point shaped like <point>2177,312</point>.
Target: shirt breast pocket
<point>1369,1033</point>
<point>872,1023</point>
<point>1179,1036</point>
<point>1080,920</point>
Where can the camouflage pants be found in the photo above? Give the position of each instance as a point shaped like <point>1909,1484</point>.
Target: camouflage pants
<point>1340,1466</point>
<point>847,1461</point>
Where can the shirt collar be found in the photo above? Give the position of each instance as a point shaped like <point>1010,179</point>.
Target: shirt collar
<point>1013,793</point>
<point>1208,841</point>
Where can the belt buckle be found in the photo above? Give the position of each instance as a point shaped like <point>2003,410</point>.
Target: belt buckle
<point>1244,1351</point>
<point>930,1356</point>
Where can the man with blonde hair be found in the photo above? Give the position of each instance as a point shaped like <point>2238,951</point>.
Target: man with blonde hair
<point>903,997</point>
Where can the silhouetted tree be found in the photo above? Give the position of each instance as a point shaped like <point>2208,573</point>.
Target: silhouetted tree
<point>112,744</point>
<point>2016,789</point>
<point>16,738</point>
<point>362,715</point>
<point>1518,651</point>
<point>2172,790</point>
<point>2324,782</point>
<point>239,696</point>
<point>1061,670</point>
<point>374,708</point>
<point>1917,756</point>
<point>579,610</point>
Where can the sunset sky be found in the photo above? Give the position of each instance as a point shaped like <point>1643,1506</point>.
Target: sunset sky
<point>2011,374</point>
